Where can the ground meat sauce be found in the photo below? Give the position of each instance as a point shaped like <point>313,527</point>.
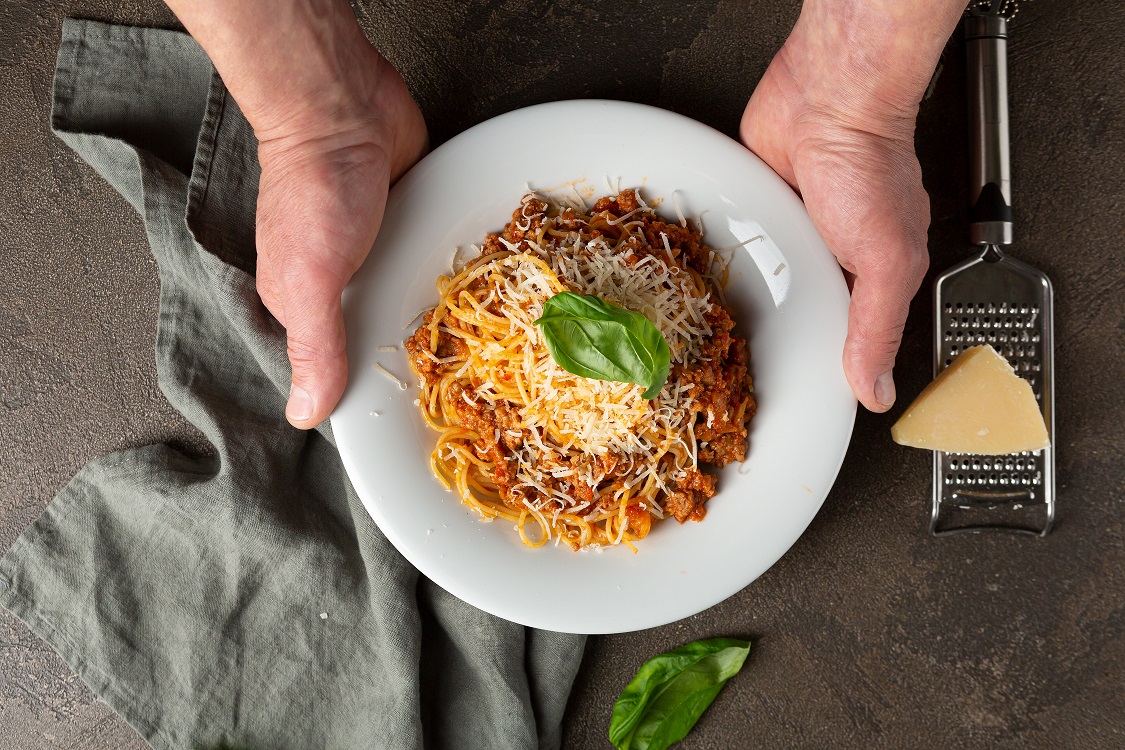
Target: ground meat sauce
<point>418,349</point>
<point>720,385</point>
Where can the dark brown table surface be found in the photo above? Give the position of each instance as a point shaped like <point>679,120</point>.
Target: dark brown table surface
<point>867,633</point>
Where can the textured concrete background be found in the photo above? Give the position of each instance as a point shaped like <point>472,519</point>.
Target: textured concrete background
<point>868,633</point>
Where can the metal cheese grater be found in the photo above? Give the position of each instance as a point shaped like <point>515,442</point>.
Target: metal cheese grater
<point>994,299</point>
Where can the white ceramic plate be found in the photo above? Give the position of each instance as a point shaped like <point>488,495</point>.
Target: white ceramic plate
<point>791,302</point>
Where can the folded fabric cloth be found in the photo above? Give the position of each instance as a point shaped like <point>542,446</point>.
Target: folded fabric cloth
<point>243,598</point>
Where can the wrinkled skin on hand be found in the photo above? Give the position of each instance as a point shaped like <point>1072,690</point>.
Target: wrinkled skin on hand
<point>321,197</point>
<point>848,148</point>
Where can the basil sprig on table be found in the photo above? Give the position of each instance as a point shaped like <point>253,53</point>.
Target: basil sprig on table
<point>671,691</point>
<point>593,338</point>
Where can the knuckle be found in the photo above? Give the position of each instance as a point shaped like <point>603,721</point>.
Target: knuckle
<point>899,268</point>
<point>921,264</point>
<point>875,336</point>
<point>303,352</point>
<point>312,269</point>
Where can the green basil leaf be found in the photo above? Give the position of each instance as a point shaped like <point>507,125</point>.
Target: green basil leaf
<point>593,338</point>
<point>671,691</point>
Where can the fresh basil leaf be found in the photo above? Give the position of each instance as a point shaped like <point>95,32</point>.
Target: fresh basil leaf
<point>671,691</point>
<point>596,339</point>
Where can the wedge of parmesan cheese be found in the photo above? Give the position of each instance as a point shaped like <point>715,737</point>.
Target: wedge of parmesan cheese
<point>978,404</point>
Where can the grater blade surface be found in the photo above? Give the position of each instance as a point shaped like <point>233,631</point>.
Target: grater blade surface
<point>997,300</point>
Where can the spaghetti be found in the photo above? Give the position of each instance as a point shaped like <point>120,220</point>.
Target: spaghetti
<point>582,461</point>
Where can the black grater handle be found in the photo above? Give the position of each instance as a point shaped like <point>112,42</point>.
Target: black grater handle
<point>990,189</point>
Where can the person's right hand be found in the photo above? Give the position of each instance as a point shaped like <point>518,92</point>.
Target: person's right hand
<point>856,171</point>
<point>320,203</point>
<point>336,126</point>
<point>834,116</point>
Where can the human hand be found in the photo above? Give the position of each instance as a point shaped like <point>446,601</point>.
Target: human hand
<point>336,126</point>
<point>320,204</point>
<point>834,116</point>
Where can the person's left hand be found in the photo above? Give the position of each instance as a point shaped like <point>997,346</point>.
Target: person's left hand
<point>320,204</point>
<point>336,126</point>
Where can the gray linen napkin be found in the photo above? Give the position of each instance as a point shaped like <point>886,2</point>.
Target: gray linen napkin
<point>243,598</point>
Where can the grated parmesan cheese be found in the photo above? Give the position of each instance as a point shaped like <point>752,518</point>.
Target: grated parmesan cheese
<point>679,212</point>
<point>390,376</point>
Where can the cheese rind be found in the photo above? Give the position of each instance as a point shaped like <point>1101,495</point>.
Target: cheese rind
<point>978,404</point>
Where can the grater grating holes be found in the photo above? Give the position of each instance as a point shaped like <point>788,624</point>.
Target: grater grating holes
<point>1019,470</point>
<point>1012,329</point>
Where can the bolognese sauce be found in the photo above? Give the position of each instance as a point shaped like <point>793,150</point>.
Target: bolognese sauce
<point>588,462</point>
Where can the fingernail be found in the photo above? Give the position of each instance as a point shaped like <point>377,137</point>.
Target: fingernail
<point>885,389</point>
<point>300,406</point>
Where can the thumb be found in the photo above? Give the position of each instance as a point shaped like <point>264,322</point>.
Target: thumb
<point>315,343</point>
<point>318,215</point>
<point>880,303</point>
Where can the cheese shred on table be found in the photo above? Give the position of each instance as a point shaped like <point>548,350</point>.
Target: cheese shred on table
<point>581,461</point>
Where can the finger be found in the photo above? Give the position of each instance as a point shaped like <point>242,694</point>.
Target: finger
<point>315,341</point>
<point>880,303</point>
